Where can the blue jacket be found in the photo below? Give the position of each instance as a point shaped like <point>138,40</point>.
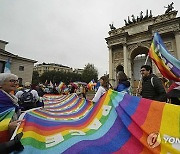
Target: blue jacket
<point>123,86</point>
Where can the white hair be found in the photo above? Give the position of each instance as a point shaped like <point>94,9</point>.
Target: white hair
<point>6,76</point>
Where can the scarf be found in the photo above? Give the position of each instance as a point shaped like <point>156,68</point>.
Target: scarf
<point>7,101</point>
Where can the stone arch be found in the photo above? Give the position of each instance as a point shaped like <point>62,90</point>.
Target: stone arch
<point>138,57</point>
<point>136,48</point>
<point>133,41</point>
<point>119,68</point>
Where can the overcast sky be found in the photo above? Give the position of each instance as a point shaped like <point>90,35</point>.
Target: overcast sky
<point>68,32</point>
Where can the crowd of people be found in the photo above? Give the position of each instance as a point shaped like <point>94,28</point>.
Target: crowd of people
<point>152,87</point>
<point>26,97</point>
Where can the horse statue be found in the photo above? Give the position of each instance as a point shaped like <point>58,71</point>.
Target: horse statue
<point>126,22</point>
<point>133,19</point>
<point>146,16</point>
<point>169,8</point>
<point>150,14</point>
<point>112,26</point>
<point>141,16</point>
<point>129,21</point>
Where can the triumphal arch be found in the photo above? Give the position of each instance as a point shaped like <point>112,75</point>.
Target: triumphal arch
<point>128,46</point>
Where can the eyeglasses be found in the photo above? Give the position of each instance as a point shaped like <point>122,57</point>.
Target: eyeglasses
<point>12,80</point>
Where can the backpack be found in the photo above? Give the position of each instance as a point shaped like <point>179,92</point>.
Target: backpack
<point>26,100</point>
<point>26,97</point>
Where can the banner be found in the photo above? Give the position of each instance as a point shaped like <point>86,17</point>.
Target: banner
<point>118,123</point>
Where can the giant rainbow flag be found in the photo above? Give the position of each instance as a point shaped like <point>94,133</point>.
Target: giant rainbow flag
<point>167,64</point>
<point>118,123</point>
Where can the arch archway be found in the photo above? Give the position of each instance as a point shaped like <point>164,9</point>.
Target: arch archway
<point>138,58</point>
<point>119,68</point>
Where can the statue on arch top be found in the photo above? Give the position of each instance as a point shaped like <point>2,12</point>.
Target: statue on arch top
<point>133,19</point>
<point>112,26</point>
<point>169,8</point>
<point>126,23</point>
<point>141,16</point>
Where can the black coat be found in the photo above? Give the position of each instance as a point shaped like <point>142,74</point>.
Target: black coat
<point>155,90</point>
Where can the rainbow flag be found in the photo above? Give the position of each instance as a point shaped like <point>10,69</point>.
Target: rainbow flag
<point>61,85</point>
<point>117,123</point>
<point>91,85</point>
<point>5,118</point>
<point>167,64</point>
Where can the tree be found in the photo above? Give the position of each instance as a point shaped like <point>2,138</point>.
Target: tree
<point>89,73</point>
<point>49,76</point>
<point>35,78</point>
<point>56,77</point>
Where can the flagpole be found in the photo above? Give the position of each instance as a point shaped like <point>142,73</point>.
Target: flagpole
<point>141,75</point>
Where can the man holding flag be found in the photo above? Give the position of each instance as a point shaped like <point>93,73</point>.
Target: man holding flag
<point>167,64</point>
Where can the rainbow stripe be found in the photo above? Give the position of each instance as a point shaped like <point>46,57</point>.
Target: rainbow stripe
<point>5,118</point>
<point>118,123</point>
<point>168,65</point>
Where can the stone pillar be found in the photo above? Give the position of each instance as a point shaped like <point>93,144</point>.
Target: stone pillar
<point>111,66</point>
<point>177,39</point>
<point>125,57</point>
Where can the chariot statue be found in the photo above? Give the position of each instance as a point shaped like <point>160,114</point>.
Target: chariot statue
<point>169,8</point>
<point>112,26</point>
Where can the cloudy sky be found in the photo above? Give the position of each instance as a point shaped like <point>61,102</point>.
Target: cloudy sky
<point>68,32</point>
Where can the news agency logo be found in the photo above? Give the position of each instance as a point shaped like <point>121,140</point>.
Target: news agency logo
<point>154,140</point>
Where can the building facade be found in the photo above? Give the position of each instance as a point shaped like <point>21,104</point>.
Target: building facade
<point>129,45</point>
<point>44,67</point>
<point>78,70</point>
<point>22,67</point>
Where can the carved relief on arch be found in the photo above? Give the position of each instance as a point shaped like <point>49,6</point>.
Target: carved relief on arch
<point>167,28</point>
<point>168,45</point>
<point>117,63</point>
<point>117,55</point>
<point>132,47</point>
<point>147,44</point>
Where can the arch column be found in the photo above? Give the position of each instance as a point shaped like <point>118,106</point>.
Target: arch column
<point>177,39</point>
<point>125,57</point>
<point>111,66</point>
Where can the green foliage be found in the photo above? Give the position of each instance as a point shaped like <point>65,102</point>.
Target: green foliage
<point>89,73</point>
<point>35,78</point>
<point>56,77</point>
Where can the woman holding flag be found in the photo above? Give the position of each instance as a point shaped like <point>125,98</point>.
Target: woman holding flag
<point>9,113</point>
<point>104,86</point>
